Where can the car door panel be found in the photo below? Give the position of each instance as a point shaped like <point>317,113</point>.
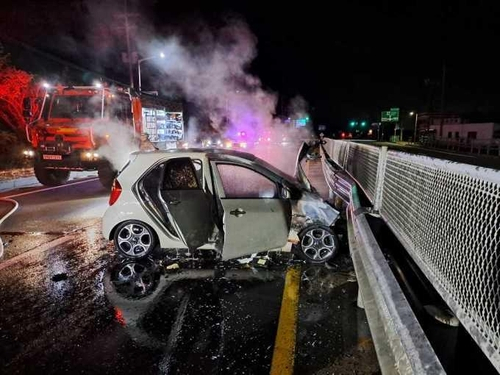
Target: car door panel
<point>253,225</point>
<point>191,211</point>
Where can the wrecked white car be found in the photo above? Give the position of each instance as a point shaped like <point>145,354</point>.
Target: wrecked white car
<point>225,201</point>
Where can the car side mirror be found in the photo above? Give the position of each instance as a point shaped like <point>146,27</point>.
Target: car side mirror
<point>285,193</point>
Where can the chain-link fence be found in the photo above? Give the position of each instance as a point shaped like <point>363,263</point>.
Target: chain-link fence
<point>362,165</point>
<point>447,215</point>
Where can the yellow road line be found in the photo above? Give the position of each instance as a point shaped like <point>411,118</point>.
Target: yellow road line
<point>284,345</point>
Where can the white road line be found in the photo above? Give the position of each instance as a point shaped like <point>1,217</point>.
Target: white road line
<point>50,188</point>
<point>37,250</point>
<point>2,219</point>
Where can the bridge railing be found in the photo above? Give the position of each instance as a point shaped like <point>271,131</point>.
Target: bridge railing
<point>447,216</point>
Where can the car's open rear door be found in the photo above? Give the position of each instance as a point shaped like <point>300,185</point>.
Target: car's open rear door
<point>188,204</point>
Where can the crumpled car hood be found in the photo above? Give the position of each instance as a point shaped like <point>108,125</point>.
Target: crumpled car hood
<point>311,209</point>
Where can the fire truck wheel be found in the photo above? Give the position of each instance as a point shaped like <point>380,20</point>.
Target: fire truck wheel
<point>106,175</point>
<point>50,177</point>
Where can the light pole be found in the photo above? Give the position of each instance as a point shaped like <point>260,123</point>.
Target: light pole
<point>416,121</point>
<point>162,55</point>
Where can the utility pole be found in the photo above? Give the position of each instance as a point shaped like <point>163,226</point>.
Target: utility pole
<point>126,16</point>
<point>129,55</point>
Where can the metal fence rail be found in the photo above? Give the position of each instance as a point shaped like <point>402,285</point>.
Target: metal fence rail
<point>401,345</point>
<point>447,215</point>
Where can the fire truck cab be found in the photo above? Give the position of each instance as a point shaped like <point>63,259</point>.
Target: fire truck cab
<point>73,124</point>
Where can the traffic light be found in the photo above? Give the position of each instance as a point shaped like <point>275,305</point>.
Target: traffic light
<point>353,124</point>
<point>363,123</point>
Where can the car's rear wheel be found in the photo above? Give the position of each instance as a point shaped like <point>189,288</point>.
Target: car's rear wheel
<point>318,244</point>
<point>134,239</point>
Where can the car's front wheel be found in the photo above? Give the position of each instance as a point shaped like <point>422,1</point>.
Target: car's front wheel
<point>134,239</point>
<point>318,244</point>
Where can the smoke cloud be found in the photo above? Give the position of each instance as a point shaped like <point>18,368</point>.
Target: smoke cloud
<point>120,141</point>
<point>214,74</point>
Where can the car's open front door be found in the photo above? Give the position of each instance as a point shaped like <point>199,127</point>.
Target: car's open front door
<point>188,204</point>
<point>255,217</point>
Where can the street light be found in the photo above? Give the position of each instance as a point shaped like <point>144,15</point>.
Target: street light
<point>161,55</point>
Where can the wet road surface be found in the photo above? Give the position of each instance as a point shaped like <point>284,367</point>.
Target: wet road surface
<point>69,305</point>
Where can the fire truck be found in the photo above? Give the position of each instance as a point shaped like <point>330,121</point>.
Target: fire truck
<point>67,128</point>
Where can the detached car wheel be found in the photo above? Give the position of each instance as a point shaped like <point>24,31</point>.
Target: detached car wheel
<point>134,239</point>
<point>318,244</point>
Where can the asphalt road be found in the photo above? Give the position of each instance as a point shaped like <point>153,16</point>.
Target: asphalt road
<point>69,305</point>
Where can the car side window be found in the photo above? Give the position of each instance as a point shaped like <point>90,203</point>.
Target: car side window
<point>180,174</point>
<point>242,182</point>
<point>153,178</point>
<point>198,167</point>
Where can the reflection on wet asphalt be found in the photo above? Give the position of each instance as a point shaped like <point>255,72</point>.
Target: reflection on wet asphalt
<point>333,335</point>
<point>77,309</point>
<point>92,321</point>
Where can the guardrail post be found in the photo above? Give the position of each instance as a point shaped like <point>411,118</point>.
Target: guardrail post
<point>379,187</point>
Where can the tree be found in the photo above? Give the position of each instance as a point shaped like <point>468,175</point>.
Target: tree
<point>15,85</point>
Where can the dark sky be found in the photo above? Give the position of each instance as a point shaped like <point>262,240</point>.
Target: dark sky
<point>347,59</point>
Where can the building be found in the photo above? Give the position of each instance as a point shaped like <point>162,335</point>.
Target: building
<point>452,126</point>
<point>434,122</point>
<point>483,132</point>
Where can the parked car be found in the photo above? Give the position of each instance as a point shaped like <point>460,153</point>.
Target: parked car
<point>217,199</point>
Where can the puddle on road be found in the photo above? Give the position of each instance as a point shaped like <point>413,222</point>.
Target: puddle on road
<point>199,322</point>
<point>333,335</point>
<point>18,243</point>
<point>120,316</point>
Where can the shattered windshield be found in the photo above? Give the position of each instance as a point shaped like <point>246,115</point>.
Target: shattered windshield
<point>73,106</point>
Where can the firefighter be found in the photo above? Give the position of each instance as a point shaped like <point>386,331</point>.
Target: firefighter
<point>146,144</point>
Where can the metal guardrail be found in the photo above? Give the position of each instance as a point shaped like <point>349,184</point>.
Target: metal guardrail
<point>400,343</point>
<point>447,216</point>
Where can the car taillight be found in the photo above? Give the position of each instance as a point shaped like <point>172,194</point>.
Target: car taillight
<point>116,190</point>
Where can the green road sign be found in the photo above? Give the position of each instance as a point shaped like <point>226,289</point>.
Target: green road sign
<point>390,116</point>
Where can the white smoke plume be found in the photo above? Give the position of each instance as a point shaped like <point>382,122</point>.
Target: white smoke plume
<point>214,75</point>
<point>120,141</point>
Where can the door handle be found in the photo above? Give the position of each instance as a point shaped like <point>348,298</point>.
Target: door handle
<point>238,212</point>
<point>174,202</point>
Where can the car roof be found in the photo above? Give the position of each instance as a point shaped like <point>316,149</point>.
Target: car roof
<point>191,152</point>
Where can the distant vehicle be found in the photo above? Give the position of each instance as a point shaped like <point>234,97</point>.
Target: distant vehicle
<point>222,200</point>
<point>61,128</point>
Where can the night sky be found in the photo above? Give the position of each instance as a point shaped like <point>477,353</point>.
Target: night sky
<point>346,59</point>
